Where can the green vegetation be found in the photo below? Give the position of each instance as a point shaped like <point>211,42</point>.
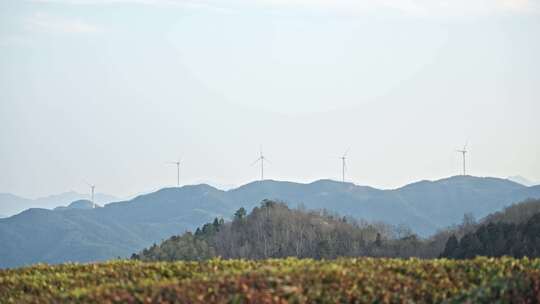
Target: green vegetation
<point>254,258</point>
<point>513,231</point>
<point>352,280</point>
<point>498,239</point>
<point>273,230</point>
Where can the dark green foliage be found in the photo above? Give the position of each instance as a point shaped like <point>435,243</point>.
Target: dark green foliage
<point>240,213</point>
<point>378,240</point>
<point>498,239</point>
<point>209,229</point>
<point>451,246</point>
<point>186,247</point>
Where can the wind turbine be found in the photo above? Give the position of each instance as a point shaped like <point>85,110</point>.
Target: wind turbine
<point>177,163</point>
<point>93,188</point>
<point>261,159</point>
<point>463,152</point>
<point>343,164</point>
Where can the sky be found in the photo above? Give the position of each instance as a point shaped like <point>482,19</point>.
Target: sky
<point>110,91</point>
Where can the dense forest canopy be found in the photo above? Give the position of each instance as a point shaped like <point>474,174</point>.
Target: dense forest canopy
<point>513,232</point>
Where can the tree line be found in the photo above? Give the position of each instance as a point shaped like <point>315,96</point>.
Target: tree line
<point>498,239</point>
<point>273,230</point>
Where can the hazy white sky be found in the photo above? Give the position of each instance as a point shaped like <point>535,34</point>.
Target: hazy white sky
<point>110,90</point>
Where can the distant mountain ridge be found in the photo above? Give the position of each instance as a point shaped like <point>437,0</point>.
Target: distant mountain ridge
<point>121,228</point>
<point>80,204</point>
<point>11,204</point>
<point>522,180</point>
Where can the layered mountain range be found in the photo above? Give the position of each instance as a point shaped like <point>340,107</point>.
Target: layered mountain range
<point>81,234</point>
<point>11,204</point>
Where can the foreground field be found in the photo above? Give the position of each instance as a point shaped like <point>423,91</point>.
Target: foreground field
<point>362,280</point>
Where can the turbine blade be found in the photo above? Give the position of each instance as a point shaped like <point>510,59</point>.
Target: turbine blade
<point>256,161</point>
<point>346,152</point>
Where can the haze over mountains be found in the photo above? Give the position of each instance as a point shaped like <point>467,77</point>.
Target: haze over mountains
<point>523,180</point>
<point>11,204</point>
<point>122,228</point>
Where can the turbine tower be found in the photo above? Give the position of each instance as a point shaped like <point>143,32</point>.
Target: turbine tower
<point>177,163</point>
<point>261,159</point>
<point>93,188</point>
<point>343,164</point>
<point>463,152</point>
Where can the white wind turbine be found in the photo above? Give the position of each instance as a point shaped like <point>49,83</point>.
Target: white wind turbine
<point>463,152</point>
<point>261,159</point>
<point>343,164</point>
<point>92,188</point>
<point>177,163</point>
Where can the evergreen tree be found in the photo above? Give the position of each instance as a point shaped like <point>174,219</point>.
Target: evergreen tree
<point>450,247</point>
<point>378,240</point>
<point>240,213</point>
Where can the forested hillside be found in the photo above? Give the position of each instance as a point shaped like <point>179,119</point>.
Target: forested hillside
<point>512,232</point>
<point>515,213</point>
<point>273,230</point>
